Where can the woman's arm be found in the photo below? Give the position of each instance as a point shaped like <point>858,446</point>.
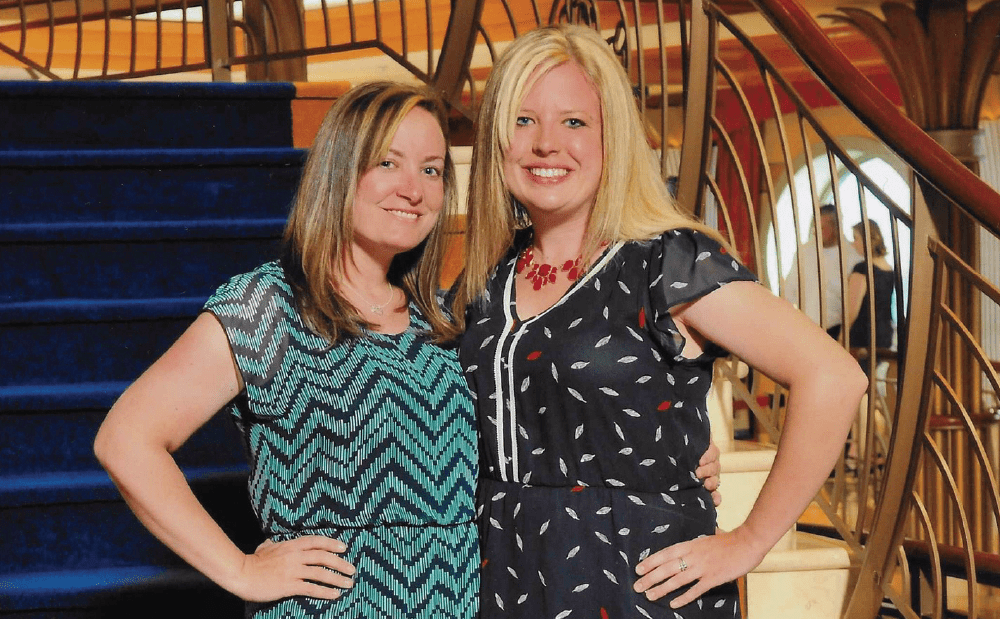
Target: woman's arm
<point>825,387</point>
<point>857,286</point>
<point>180,392</point>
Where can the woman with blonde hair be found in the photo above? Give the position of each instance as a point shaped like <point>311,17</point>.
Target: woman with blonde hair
<point>358,423</point>
<point>594,311</point>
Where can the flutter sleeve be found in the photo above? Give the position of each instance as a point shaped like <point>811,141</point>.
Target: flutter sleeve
<point>257,312</point>
<point>684,266</point>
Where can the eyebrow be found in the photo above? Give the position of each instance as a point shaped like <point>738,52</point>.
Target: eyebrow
<point>400,153</point>
<point>571,112</point>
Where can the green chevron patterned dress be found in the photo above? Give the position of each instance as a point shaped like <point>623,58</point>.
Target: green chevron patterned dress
<point>372,442</point>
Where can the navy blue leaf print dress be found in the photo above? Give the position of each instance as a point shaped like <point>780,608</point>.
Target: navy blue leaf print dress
<point>591,426</point>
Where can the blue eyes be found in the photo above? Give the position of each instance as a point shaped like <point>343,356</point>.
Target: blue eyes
<point>428,170</point>
<point>572,123</point>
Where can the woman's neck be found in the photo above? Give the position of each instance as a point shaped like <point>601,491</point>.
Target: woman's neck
<point>558,241</point>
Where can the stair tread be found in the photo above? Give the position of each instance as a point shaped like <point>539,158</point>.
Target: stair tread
<point>807,552</point>
<point>100,310</point>
<point>85,486</point>
<point>124,591</point>
<point>60,396</point>
<point>145,90</point>
<point>145,157</point>
<point>121,231</point>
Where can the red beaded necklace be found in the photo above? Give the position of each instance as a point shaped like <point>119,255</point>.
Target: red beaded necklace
<point>541,274</point>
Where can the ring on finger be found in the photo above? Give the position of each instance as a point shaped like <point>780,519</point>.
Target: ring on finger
<point>682,564</point>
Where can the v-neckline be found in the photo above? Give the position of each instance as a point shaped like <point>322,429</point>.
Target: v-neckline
<point>594,268</point>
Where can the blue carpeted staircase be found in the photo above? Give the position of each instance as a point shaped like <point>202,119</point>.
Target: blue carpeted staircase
<point>122,207</point>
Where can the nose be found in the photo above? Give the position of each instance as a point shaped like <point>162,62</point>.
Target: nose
<point>410,188</point>
<point>545,140</point>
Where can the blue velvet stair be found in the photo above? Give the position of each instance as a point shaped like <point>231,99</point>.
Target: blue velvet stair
<point>122,207</point>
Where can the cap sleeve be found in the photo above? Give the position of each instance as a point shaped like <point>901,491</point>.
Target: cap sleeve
<point>257,312</point>
<point>688,265</point>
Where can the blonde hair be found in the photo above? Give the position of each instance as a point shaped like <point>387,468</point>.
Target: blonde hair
<point>632,201</point>
<point>354,136</point>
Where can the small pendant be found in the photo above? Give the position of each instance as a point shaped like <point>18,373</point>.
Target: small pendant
<point>377,310</point>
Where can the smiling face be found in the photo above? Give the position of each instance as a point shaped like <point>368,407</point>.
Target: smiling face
<point>556,155</point>
<point>398,201</point>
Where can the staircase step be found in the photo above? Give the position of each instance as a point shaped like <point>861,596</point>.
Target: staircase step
<point>95,231</point>
<point>39,489</point>
<point>50,115</point>
<point>807,580</point>
<point>80,522</point>
<point>123,269</point>
<point>56,442</point>
<point>116,592</point>
<point>49,311</point>
<point>120,185</point>
<point>93,352</point>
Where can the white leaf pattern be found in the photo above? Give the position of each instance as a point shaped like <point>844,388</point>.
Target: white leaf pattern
<point>562,467</point>
<point>643,554</point>
<point>541,531</point>
<point>512,572</point>
<point>499,495</point>
<point>586,457</point>
<point>579,365</point>
<point>630,412</point>
<point>647,462</point>
<point>576,394</point>
<point>548,333</point>
<point>537,451</point>
<point>643,379</point>
<point>678,285</point>
<point>643,612</point>
<point>486,342</point>
<point>703,255</point>
<point>634,334</point>
<point>541,578</point>
<point>579,588</point>
<point>609,391</point>
<point>578,432</point>
<point>520,543</point>
<point>495,524</point>
<point>602,537</point>
<point>575,323</point>
<point>627,359</point>
<point>572,552</point>
<point>601,342</point>
<point>624,288</point>
<point>541,411</point>
<point>635,499</point>
<point>525,383</point>
<point>614,482</point>
<point>618,431</point>
<point>499,601</point>
<point>611,576</point>
<point>572,513</point>
<point>563,614</point>
<point>625,451</point>
<point>624,531</point>
<point>555,373</point>
<point>521,599</point>
<point>517,508</point>
<point>661,528</point>
<point>604,510</point>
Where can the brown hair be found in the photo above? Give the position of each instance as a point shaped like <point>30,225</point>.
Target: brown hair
<point>877,241</point>
<point>355,135</point>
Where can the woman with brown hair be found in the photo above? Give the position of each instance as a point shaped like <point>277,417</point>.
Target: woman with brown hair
<point>358,422</point>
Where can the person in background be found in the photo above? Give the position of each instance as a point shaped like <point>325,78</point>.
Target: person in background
<point>594,312</point>
<point>859,305</point>
<point>807,296</point>
<point>358,422</point>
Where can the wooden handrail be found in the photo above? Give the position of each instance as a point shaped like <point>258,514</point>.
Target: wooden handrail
<point>880,115</point>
